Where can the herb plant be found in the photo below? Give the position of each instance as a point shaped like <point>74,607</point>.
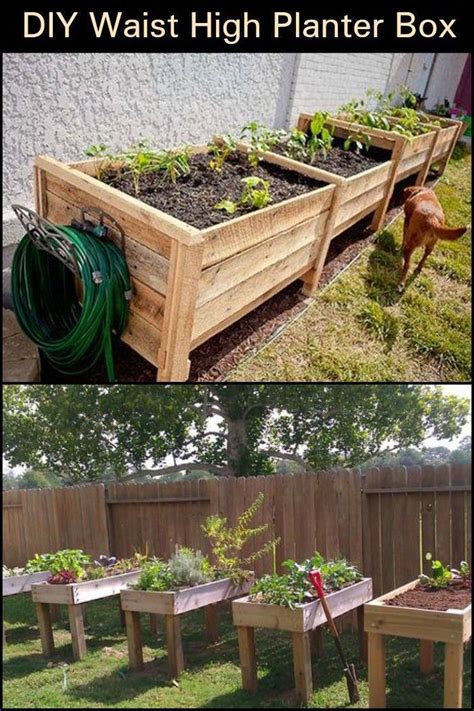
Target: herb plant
<point>221,151</point>
<point>156,576</point>
<point>174,163</point>
<point>261,139</point>
<point>190,567</point>
<point>441,576</point>
<point>255,194</point>
<point>228,542</point>
<point>359,141</point>
<point>103,158</point>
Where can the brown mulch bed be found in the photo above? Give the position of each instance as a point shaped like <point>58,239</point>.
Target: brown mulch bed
<point>193,197</point>
<point>215,358</point>
<point>452,598</point>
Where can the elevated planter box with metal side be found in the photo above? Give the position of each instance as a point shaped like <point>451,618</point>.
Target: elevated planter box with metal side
<point>75,596</point>
<point>17,584</point>
<point>453,627</point>
<point>300,622</point>
<point>172,605</point>
<point>188,283</point>
<point>414,154</point>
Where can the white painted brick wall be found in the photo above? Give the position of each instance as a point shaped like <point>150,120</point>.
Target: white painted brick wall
<point>325,81</point>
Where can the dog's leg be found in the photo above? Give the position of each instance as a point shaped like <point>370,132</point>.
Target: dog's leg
<point>428,250</point>
<point>407,252</point>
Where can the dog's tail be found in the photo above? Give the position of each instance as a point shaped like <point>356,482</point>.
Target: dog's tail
<point>447,233</point>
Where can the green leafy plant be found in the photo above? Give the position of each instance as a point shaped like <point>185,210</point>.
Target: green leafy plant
<point>228,542</point>
<point>261,139</point>
<point>155,576</point>
<point>174,163</point>
<point>255,194</point>
<point>140,159</point>
<point>72,560</point>
<point>441,576</point>
<point>221,151</point>
<point>11,572</point>
<point>463,573</point>
<point>320,138</point>
<point>102,156</point>
<point>190,567</point>
<point>359,141</point>
<point>295,145</point>
<point>277,590</point>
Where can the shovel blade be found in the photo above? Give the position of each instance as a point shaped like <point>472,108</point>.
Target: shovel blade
<point>352,687</point>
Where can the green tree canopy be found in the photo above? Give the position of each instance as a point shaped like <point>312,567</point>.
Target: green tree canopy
<point>81,432</point>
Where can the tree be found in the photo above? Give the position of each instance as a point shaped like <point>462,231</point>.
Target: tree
<point>10,481</point>
<point>80,431</point>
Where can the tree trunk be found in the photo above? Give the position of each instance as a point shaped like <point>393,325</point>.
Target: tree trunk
<point>237,447</point>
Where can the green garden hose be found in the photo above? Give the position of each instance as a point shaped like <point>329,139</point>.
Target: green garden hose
<point>73,332</point>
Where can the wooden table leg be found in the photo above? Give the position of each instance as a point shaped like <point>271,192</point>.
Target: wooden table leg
<point>426,656</point>
<point>134,640</point>
<point>155,624</point>
<point>121,613</point>
<point>362,635</point>
<point>453,667</point>
<point>174,645</point>
<point>76,624</point>
<point>317,642</point>
<point>45,628</point>
<point>376,661</point>
<point>248,663</point>
<point>211,614</point>
<point>302,665</point>
<point>55,613</point>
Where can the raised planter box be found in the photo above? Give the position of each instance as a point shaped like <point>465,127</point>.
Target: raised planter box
<point>74,595</point>
<point>301,622</point>
<point>413,156</point>
<point>189,284</point>
<point>453,627</point>
<point>451,131</point>
<point>173,604</point>
<point>17,584</point>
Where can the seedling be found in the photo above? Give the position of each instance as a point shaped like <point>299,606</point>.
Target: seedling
<point>221,151</point>
<point>295,146</point>
<point>174,163</point>
<point>440,576</point>
<point>320,138</point>
<point>261,139</point>
<point>140,159</point>
<point>227,543</point>
<point>103,158</point>
<point>255,194</point>
<point>359,141</point>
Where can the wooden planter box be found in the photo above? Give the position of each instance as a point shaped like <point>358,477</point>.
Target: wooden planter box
<point>189,284</point>
<point>74,595</point>
<point>17,584</point>
<point>451,131</point>
<point>453,627</point>
<point>413,155</point>
<point>173,604</point>
<point>301,622</point>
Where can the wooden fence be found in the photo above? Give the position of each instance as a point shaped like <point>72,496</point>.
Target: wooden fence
<point>384,521</point>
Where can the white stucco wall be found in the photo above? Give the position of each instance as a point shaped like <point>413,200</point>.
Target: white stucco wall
<point>445,78</point>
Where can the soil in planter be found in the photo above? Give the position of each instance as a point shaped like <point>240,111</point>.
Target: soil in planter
<point>192,198</point>
<point>452,598</point>
<point>344,163</point>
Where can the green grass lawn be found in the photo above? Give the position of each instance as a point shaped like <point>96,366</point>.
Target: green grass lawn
<point>212,678</point>
<point>361,328</point>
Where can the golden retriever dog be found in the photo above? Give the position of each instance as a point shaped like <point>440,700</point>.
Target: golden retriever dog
<point>424,226</point>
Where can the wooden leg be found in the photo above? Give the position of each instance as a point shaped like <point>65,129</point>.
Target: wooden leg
<point>174,645</point>
<point>211,613</point>
<point>376,647</point>
<point>248,663</point>
<point>134,640</point>
<point>55,613</point>
<point>426,656</point>
<point>45,628</point>
<point>302,665</point>
<point>76,624</point>
<point>155,624</point>
<point>362,635</point>
<point>317,642</point>
<point>453,662</point>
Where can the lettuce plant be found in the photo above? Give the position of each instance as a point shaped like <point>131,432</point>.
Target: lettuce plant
<point>441,576</point>
<point>71,559</point>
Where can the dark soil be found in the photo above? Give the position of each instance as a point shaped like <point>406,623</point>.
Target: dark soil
<point>192,198</point>
<point>345,163</point>
<point>215,358</point>
<point>452,598</point>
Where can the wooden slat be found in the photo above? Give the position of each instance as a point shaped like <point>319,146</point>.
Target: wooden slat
<point>387,531</point>
<point>144,338</point>
<point>460,475</point>
<point>372,535</point>
<point>412,526</point>
<point>354,208</point>
<point>428,517</point>
<point>443,514</point>
<point>361,183</point>
<point>399,506</point>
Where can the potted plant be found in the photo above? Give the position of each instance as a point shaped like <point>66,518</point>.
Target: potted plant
<point>196,266</point>
<point>74,579</point>
<point>434,608</point>
<point>189,581</point>
<point>288,602</point>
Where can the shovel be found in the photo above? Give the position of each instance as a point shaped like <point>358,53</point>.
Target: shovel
<point>349,671</point>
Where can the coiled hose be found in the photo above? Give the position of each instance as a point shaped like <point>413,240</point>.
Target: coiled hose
<point>72,331</point>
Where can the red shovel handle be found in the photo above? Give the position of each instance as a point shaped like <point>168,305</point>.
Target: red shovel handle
<point>316,581</point>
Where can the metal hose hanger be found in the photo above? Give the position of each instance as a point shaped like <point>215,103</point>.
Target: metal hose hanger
<point>71,289</point>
